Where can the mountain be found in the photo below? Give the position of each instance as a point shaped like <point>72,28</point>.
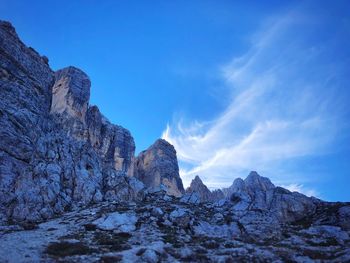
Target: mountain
<point>72,189</point>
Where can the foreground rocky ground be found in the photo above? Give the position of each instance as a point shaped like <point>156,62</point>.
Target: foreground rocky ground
<point>162,228</point>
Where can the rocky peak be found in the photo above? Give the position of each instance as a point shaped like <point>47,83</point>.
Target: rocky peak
<point>71,93</point>
<point>205,195</point>
<point>70,100</point>
<point>197,181</point>
<point>238,185</point>
<point>158,166</point>
<point>197,186</point>
<point>255,181</point>
<point>7,26</point>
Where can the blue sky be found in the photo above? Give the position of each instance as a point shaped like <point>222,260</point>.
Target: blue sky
<point>235,86</point>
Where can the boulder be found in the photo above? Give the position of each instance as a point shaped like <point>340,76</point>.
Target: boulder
<point>117,222</point>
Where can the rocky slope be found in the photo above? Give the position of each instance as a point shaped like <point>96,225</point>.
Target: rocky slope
<point>163,228</point>
<point>61,158</point>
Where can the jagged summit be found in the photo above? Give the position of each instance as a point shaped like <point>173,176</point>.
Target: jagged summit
<point>196,180</point>
<point>254,180</point>
<point>205,195</point>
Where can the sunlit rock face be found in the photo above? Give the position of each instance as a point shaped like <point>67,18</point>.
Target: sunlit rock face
<point>70,105</point>
<point>71,93</point>
<point>205,195</point>
<point>158,166</point>
<point>56,152</point>
<point>114,143</point>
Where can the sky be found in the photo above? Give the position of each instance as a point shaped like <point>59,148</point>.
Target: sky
<point>235,86</point>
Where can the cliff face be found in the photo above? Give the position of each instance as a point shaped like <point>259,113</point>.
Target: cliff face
<point>56,152</point>
<point>158,166</point>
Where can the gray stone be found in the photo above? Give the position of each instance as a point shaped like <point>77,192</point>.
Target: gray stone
<point>117,221</point>
<point>191,198</point>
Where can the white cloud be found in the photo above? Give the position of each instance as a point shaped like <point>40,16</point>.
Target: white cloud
<point>280,109</point>
<point>301,189</point>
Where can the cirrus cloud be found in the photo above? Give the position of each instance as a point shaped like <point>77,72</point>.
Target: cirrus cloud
<point>285,104</point>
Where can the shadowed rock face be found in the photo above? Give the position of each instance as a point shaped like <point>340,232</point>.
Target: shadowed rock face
<point>158,166</point>
<point>202,190</point>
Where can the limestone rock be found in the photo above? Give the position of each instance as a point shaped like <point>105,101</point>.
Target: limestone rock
<point>158,165</point>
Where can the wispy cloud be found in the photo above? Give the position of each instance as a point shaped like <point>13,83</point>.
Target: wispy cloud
<point>283,93</point>
<point>301,189</point>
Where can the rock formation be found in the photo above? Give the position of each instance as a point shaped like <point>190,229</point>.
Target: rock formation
<point>158,166</point>
<point>202,190</point>
<point>56,152</point>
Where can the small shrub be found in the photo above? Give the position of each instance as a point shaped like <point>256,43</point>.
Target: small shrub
<point>64,249</point>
